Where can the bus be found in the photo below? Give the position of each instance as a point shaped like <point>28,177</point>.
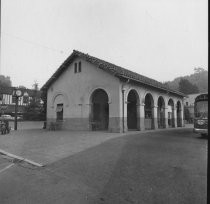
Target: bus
<point>201,114</point>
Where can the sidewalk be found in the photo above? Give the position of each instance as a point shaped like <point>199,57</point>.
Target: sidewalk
<point>43,146</point>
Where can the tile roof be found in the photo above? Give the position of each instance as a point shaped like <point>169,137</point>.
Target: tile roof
<point>113,69</point>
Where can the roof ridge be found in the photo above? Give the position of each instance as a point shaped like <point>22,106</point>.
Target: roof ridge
<point>114,69</point>
<point>124,69</point>
<point>144,79</point>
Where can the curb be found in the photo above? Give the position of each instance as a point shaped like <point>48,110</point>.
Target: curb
<point>21,158</point>
<point>154,130</point>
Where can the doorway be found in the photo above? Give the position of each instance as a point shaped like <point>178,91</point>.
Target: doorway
<point>100,110</point>
<point>132,110</point>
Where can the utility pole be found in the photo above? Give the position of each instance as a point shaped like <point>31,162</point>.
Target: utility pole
<point>16,94</point>
<point>16,111</point>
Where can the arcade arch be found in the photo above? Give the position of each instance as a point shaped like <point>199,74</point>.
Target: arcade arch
<point>179,114</point>
<point>171,113</point>
<point>132,110</point>
<point>161,112</point>
<point>149,112</point>
<point>99,117</point>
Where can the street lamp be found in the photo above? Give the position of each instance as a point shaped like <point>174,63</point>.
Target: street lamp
<point>16,94</point>
<point>1,102</point>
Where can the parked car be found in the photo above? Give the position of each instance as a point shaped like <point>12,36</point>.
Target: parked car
<point>20,117</point>
<point>7,117</point>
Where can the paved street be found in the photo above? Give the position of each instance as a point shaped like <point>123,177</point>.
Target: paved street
<point>167,166</point>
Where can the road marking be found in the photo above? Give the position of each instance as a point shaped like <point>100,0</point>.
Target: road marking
<point>21,158</point>
<point>7,167</point>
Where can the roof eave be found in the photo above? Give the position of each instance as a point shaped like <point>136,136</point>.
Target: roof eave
<point>165,89</point>
<point>61,69</point>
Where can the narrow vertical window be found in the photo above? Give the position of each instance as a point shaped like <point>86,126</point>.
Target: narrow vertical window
<point>59,111</point>
<point>75,67</point>
<point>80,67</point>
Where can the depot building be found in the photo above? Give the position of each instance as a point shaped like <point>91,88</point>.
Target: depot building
<point>87,93</point>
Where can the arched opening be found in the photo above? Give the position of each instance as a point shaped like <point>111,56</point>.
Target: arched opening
<point>161,112</point>
<point>100,110</point>
<point>132,115</point>
<point>171,113</point>
<point>149,113</point>
<point>179,115</point>
<point>59,106</point>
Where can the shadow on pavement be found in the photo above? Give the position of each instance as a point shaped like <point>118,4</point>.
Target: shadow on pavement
<point>203,137</point>
<point>147,168</point>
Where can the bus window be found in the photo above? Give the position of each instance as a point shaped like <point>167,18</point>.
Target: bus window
<point>201,114</point>
<point>201,109</point>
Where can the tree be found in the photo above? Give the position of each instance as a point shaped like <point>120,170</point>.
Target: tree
<point>22,87</point>
<point>166,83</point>
<point>34,111</point>
<point>199,77</point>
<point>35,86</point>
<point>198,70</point>
<point>5,81</point>
<point>44,107</point>
<point>186,87</point>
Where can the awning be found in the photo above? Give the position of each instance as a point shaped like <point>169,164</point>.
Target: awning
<point>59,108</point>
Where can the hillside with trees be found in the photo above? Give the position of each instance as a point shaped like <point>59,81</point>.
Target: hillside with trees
<point>194,83</point>
<point>5,81</point>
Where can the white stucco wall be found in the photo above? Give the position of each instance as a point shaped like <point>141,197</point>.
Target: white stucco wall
<point>77,88</point>
<point>74,91</point>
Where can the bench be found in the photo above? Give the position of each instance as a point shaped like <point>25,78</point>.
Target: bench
<point>95,125</point>
<point>55,125</point>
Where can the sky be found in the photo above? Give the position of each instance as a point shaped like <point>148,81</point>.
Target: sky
<point>160,39</point>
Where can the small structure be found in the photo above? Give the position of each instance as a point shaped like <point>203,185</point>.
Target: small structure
<point>8,101</point>
<point>87,93</point>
